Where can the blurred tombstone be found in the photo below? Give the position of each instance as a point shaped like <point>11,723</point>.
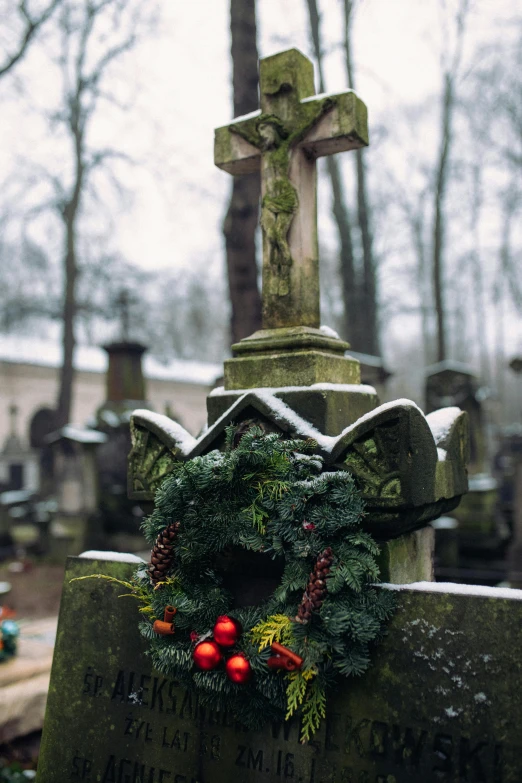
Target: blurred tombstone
<point>515,463</point>
<point>451,384</point>
<point>19,480</point>
<point>480,532</point>
<point>18,464</point>
<point>515,551</point>
<point>373,372</point>
<point>76,488</point>
<point>125,391</point>
<point>42,424</point>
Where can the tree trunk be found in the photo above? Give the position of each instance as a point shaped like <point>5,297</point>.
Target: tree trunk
<point>369,311</point>
<point>64,403</point>
<point>438,221</point>
<point>239,227</point>
<point>352,312</point>
<point>478,279</point>
<point>70,215</point>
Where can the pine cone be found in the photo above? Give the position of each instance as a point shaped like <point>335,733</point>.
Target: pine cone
<point>161,556</point>
<point>316,588</point>
<point>246,425</point>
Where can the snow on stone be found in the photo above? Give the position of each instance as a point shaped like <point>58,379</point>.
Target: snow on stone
<point>482,482</point>
<point>479,591</point>
<point>440,422</point>
<point>12,496</point>
<point>298,424</point>
<point>329,332</point>
<point>110,417</point>
<point>449,364</point>
<point>365,358</point>
<point>322,95</point>
<point>444,523</point>
<point>184,440</point>
<point>249,116</point>
<point>77,434</point>
<point>451,712</point>
<point>120,557</point>
<point>386,406</point>
<point>352,388</point>
<point>305,429</point>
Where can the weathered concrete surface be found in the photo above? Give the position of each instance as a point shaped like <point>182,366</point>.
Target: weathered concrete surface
<point>442,702</point>
<point>24,681</point>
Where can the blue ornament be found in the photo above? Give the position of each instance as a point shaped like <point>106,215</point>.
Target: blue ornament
<point>9,629</point>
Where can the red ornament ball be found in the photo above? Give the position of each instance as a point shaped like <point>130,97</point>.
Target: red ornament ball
<point>238,669</point>
<point>207,655</point>
<point>227,631</point>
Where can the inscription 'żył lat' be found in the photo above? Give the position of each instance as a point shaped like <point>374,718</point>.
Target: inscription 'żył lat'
<point>284,138</point>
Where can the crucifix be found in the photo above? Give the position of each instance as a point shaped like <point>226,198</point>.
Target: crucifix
<point>283,139</point>
<point>123,304</point>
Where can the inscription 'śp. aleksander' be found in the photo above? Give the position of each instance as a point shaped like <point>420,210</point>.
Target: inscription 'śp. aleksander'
<point>152,710</point>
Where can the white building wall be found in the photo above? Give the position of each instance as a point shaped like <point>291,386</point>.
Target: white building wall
<point>32,387</point>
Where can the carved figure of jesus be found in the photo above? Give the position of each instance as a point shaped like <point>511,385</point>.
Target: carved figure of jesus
<point>280,202</point>
<point>283,139</point>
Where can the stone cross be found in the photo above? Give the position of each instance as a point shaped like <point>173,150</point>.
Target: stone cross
<point>123,304</point>
<point>283,139</point>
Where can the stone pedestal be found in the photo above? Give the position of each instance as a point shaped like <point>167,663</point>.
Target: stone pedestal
<point>408,558</point>
<point>293,356</point>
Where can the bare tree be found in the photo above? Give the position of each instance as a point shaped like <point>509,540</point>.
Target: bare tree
<point>92,35</point>
<point>24,25</point>
<point>240,223</point>
<point>368,303</point>
<point>352,330</point>
<point>450,64</point>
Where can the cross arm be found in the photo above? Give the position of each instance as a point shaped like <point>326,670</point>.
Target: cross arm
<point>235,149</point>
<point>341,126</point>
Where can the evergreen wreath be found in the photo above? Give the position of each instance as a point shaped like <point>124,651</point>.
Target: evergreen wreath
<point>267,495</point>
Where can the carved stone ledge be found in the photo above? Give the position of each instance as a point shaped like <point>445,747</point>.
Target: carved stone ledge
<point>409,472</point>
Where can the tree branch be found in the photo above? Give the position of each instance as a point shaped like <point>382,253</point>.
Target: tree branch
<point>31,27</point>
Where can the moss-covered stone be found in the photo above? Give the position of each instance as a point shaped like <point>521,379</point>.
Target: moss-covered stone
<point>283,140</point>
<point>441,702</point>
<point>295,368</point>
<point>408,558</point>
<point>328,410</point>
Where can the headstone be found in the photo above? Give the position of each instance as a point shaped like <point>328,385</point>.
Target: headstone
<point>126,389</point>
<point>436,702</point>
<point>480,533</point>
<point>76,486</point>
<point>451,383</point>
<point>515,550</point>
<point>373,371</point>
<point>441,701</point>
<point>18,462</point>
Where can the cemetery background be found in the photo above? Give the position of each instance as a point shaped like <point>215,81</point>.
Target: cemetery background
<point>400,307</point>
